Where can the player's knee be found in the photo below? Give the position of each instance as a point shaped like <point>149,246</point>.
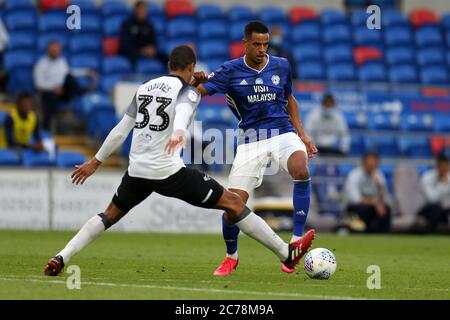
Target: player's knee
<point>113,216</point>
<point>300,172</point>
<point>235,205</point>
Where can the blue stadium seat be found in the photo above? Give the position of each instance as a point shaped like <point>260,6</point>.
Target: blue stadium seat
<point>333,17</point>
<point>150,66</point>
<point>181,28</point>
<point>116,65</point>
<point>367,37</point>
<point>213,29</point>
<point>445,20</point>
<point>159,24</point>
<point>357,146</point>
<point>272,15</point>
<point>213,49</point>
<point>86,6</point>
<point>22,40</point>
<point>37,159</point>
<point>391,19</point>
<point>415,147</point>
<point>329,170</point>
<point>19,80</point>
<point>448,58</point>
<point>328,197</point>
<point>398,36</point>
<point>85,43</point>
<point>95,100</point>
<point>212,115</point>
<point>385,146</point>
<point>429,36</point>
<point>69,159</point>
<point>312,70</point>
<point>113,24</point>
<point>431,56</point>
<point>240,13</point>
<point>306,31</point>
<point>21,21</point>
<point>207,12</point>
<point>338,53</point>
<point>403,74</point>
<point>372,72</point>
<point>237,30</point>
<point>359,18</point>
<point>155,10</point>
<point>3,115</point>
<point>341,72</point>
<point>109,81</point>
<point>85,60</point>
<point>307,51</point>
<point>172,43</point>
<point>213,63</point>
<point>18,59</point>
<point>126,146</point>
<point>53,21</point>
<point>336,33</point>
<point>416,122</point>
<point>100,122</point>
<point>18,5</point>
<point>356,120</point>
<point>388,171</point>
<point>434,75</point>
<point>384,121</point>
<point>400,55</point>
<point>112,8</point>
<point>421,169</point>
<point>345,168</point>
<point>90,23</point>
<point>45,38</point>
<point>441,123</point>
<point>9,158</point>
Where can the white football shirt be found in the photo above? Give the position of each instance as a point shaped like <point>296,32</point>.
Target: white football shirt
<point>154,107</point>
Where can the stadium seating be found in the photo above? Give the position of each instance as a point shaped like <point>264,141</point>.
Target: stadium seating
<point>114,8</point>
<point>420,17</point>
<point>406,73</point>
<point>46,5</point>
<point>373,72</point>
<point>429,36</point>
<point>240,13</point>
<point>366,54</point>
<point>68,159</point>
<point>213,49</point>
<point>212,29</point>
<point>341,72</point>
<point>384,121</point>
<point>311,71</point>
<point>21,21</point>
<point>400,55</point>
<point>116,65</point>
<point>9,158</point>
<point>150,66</point>
<point>336,33</point>
<point>306,31</point>
<point>37,159</point>
<point>182,27</point>
<point>301,14</point>
<point>338,53</point>
<point>415,147</point>
<point>207,12</point>
<point>22,40</point>
<point>416,122</point>
<point>85,44</point>
<point>307,52</point>
<point>176,8</point>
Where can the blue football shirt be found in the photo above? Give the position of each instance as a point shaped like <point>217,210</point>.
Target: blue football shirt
<point>257,98</point>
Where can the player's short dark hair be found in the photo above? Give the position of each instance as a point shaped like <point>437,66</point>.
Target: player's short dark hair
<point>181,57</point>
<point>139,3</point>
<point>254,26</point>
<point>326,97</point>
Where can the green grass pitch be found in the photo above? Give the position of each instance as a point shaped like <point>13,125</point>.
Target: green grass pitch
<point>179,266</point>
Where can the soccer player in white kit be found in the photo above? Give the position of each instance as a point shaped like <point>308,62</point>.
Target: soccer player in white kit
<point>159,115</point>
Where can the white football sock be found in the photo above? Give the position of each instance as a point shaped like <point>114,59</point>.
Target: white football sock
<point>91,230</point>
<point>233,255</point>
<point>295,238</point>
<point>256,228</point>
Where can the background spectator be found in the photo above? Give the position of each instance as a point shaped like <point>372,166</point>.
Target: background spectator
<point>138,37</point>
<point>276,48</point>
<point>328,128</point>
<point>54,81</point>
<point>22,129</point>
<point>366,190</point>
<point>435,185</point>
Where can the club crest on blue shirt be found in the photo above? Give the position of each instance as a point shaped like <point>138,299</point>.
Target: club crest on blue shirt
<point>275,79</point>
<point>259,81</point>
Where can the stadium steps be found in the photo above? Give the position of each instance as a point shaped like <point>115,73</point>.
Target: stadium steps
<point>84,145</point>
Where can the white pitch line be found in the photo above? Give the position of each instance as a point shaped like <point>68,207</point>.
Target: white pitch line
<point>205,290</point>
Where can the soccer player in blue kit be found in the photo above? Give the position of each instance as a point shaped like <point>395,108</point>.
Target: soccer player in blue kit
<point>258,89</point>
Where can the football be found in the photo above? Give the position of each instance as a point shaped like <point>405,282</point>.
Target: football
<point>320,263</point>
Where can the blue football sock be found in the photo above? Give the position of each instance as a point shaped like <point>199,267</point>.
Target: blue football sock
<point>301,197</point>
<point>230,234</point>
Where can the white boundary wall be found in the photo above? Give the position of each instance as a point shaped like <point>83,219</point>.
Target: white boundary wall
<point>46,199</point>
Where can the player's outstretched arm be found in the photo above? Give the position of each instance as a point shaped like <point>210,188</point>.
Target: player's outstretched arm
<point>114,139</point>
<point>292,109</point>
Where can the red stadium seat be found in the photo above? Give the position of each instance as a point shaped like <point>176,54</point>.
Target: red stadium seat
<point>364,54</point>
<point>236,50</point>
<point>179,7</point>
<point>111,46</point>
<point>298,14</point>
<point>419,17</point>
<point>46,5</point>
